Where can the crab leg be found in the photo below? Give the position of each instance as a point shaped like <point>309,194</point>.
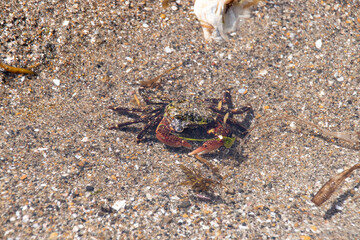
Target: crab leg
<point>237,124</point>
<point>232,111</point>
<point>241,110</point>
<point>152,123</point>
<point>227,99</point>
<point>125,110</point>
<point>153,119</point>
<point>164,134</point>
<point>127,124</point>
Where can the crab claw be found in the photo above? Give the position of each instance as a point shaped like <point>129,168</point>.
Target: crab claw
<point>164,135</point>
<point>208,146</point>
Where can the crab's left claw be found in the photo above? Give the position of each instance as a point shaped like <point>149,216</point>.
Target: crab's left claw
<point>208,146</point>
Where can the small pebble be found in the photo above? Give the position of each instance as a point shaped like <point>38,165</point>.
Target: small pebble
<point>338,207</point>
<point>242,91</point>
<point>129,59</point>
<point>340,78</point>
<point>89,188</point>
<point>66,22</point>
<point>167,220</point>
<point>263,72</point>
<point>230,190</point>
<point>185,204</point>
<point>75,229</point>
<point>340,170</point>
<point>106,208</point>
<point>25,218</point>
<point>169,50</point>
<point>53,236</point>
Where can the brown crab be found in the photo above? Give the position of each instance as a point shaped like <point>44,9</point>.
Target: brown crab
<point>172,117</point>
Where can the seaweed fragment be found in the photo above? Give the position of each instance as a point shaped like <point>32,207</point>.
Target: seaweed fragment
<point>16,70</point>
<point>329,188</point>
<point>197,181</point>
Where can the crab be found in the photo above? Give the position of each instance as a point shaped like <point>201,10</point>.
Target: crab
<point>173,117</point>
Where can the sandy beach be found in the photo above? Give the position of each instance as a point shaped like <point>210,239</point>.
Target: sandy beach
<point>66,175</point>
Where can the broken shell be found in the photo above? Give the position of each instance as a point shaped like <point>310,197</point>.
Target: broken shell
<point>220,17</point>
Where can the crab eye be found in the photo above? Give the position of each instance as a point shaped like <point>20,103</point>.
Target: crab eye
<point>198,118</point>
<point>178,125</point>
<point>179,128</point>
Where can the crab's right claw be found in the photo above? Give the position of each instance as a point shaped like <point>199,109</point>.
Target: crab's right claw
<point>163,134</point>
<point>208,146</point>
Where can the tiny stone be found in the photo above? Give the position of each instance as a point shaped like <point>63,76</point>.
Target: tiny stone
<point>230,191</point>
<point>149,196</point>
<point>338,207</point>
<point>89,188</point>
<point>340,79</point>
<point>242,90</point>
<point>167,220</point>
<point>340,170</point>
<point>184,204</point>
<point>263,72</point>
<point>53,236</point>
<point>25,218</point>
<point>169,50</point>
<point>129,59</point>
<point>106,209</point>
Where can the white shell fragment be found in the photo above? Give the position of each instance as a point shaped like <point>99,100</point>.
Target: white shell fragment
<point>220,17</point>
<point>318,43</point>
<point>119,205</point>
<point>56,82</point>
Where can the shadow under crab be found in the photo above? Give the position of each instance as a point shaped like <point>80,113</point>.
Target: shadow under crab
<point>179,122</point>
